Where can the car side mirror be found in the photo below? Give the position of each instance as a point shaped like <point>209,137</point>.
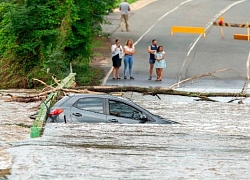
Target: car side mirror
<point>143,118</point>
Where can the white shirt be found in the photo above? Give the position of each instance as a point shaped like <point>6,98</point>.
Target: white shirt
<point>129,49</point>
<point>115,51</point>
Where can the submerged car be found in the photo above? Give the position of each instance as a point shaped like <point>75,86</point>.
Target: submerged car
<point>100,108</point>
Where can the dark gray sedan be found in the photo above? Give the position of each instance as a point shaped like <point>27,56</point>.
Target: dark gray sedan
<point>99,108</point>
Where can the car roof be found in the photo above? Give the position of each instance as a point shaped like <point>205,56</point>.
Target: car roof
<point>99,95</point>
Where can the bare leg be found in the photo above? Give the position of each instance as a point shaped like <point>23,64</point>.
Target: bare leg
<point>157,73</point>
<point>160,73</point>
<point>118,72</point>
<point>151,68</point>
<point>113,73</point>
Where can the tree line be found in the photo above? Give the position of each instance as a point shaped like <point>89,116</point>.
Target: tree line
<point>40,38</point>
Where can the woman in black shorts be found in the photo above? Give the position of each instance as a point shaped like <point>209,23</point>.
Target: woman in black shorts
<point>116,51</point>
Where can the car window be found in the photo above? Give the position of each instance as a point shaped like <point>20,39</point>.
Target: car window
<point>117,108</point>
<point>90,104</point>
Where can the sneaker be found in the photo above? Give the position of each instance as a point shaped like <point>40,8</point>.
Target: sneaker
<point>150,78</point>
<point>125,77</point>
<point>132,77</point>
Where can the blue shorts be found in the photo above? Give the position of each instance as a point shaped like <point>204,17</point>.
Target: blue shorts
<point>151,61</point>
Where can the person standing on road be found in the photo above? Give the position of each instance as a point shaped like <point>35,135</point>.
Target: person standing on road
<point>160,62</point>
<point>129,51</point>
<point>124,8</point>
<point>116,52</point>
<point>152,49</point>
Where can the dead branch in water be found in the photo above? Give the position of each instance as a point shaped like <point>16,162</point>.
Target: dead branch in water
<point>197,77</point>
<point>204,98</point>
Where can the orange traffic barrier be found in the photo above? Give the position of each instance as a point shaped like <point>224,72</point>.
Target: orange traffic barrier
<point>187,29</point>
<point>241,37</point>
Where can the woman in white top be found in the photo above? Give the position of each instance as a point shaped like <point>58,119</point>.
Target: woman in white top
<point>129,51</point>
<point>116,51</point>
<point>160,62</point>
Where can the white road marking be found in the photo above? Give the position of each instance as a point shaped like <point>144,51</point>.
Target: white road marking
<point>247,68</point>
<point>155,24</point>
<point>212,20</point>
<point>174,9</point>
<point>193,44</point>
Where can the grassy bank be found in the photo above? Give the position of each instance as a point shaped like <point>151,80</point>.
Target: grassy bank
<point>91,75</point>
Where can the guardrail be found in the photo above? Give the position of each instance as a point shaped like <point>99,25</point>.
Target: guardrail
<point>37,128</point>
<point>188,29</point>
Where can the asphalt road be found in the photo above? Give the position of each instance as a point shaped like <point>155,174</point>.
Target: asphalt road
<point>189,55</point>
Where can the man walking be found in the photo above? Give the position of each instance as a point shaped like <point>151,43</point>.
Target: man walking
<point>152,49</point>
<point>124,8</point>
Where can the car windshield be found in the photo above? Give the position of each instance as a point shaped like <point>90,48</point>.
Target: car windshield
<point>145,109</point>
<point>121,109</point>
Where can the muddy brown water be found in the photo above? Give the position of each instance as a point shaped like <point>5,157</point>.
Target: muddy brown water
<point>212,142</point>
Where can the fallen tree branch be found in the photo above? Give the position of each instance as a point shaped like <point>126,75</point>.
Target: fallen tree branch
<point>120,89</point>
<point>197,77</point>
<point>204,98</point>
<point>153,91</point>
<point>43,83</point>
<point>144,90</point>
<point>244,86</point>
<point>25,99</point>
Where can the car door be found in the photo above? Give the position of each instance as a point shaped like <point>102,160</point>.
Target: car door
<point>90,109</point>
<point>122,112</point>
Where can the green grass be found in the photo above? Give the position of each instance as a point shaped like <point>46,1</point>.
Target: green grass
<point>87,75</point>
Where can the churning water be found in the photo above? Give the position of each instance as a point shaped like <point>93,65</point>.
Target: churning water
<point>212,141</point>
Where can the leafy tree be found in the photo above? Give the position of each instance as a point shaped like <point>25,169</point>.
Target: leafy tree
<point>37,36</point>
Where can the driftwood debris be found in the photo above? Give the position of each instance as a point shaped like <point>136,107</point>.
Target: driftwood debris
<point>119,90</point>
<point>204,96</point>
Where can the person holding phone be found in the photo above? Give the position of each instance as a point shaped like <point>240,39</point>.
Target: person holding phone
<point>116,52</point>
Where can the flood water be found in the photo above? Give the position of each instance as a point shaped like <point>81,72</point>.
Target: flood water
<point>212,141</point>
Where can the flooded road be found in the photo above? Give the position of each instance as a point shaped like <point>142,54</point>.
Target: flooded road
<point>212,142</point>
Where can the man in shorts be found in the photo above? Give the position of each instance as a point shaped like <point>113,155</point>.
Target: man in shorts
<point>124,8</point>
<point>152,49</point>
